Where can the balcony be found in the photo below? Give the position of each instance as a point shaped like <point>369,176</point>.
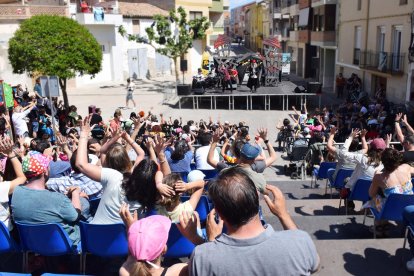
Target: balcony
<point>291,10</point>
<point>326,38</point>
<point>317,3</point>
<point>389,63</point>
<point>304,36</point>
<point>277,15</point>
<point>304,4</point>
<point>288,3</point>
<point>89,19</point>
<point>26,11</point>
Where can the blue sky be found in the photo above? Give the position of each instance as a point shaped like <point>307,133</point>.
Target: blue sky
<point>236,3</point>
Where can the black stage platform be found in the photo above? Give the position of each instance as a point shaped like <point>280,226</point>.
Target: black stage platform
<point>280,97</point>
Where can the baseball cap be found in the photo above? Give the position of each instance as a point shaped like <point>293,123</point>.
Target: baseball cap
<point>195,175</point>
<point>249,151</point>
<point>378,144</point>
<point>35,164</point>
<point>147,237</point>
<point>306,130</point>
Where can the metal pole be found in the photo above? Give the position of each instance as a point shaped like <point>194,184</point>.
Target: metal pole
<point>51,107</point>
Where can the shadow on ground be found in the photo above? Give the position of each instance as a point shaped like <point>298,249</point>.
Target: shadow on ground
<point>377,262</point>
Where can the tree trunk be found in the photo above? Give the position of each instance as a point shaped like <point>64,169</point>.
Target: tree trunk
<point>177,72</point>
<point>62,83</point>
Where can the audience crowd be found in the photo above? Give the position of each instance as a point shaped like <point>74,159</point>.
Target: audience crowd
<point>54,163</point>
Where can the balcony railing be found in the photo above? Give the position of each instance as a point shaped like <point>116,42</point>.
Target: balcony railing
<point>303,36</point>
<point>324,37</point>
<point>26,11</point>
<point>288,3</point>
<point>390,63</point>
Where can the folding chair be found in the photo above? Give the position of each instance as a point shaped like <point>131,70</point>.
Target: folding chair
<point>358,193</point>
<point>339,181</point>
<point>178,246</point>
<point>45,239</point>
<point>322,172</point>
<point>203,207</point>
<point>103,240</point>
<point>392,209</point>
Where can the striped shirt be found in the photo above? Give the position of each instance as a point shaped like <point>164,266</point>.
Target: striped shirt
<point>90,187</point>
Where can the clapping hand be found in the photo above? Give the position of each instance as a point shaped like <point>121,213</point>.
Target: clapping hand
<point>355,133</point>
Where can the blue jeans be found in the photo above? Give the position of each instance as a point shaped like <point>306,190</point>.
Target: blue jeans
<point>408,218</point>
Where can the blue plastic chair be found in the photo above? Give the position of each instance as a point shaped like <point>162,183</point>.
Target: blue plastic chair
<point>178,246</point>
<point>339,182</point>
<point>321,172</point>
<point>360,192</point>
<point>6,242</point>
<point>103,240</point>
<point>93,205</point>
<point>392,209</point>
<point>14,274</point>
<point>203,207</point>
<point>45,239</point>
<point>52,274</point>
<point>210,174</point>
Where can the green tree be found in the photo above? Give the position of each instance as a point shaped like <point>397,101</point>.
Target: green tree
<point>173,43</point>
<point>54,46</point>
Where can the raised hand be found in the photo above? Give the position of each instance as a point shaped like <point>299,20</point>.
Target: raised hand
<point>333,130</point>
<point>277,205</point>
<point>86,125</point>
<point>355,133</point>
<point>61,140</point>
<point>6,146</point>
<point>262,133</point>
<point>126,216</point>
<point>160,144</point>
<point>180,186</point>
<point>363,133</point>
<point>214,228</point>
<point>398,116</point>
<point>216,136</point>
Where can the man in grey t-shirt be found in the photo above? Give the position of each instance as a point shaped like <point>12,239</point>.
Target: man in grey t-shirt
<point>248,248</point>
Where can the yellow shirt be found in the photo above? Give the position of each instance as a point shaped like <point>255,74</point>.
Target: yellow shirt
<point>174,215</point>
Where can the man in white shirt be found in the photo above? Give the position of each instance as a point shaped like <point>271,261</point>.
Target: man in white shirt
<point>202,152</point>
<point>18,119</point>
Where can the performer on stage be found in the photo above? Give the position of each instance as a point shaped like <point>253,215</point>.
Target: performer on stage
<point>252,83</point>
<point>226,80</point>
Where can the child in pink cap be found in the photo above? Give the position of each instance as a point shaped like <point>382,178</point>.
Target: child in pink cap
<point>147,242</point>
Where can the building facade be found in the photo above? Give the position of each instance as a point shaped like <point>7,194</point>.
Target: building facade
<point>12,13</point>
<point>373,39</point>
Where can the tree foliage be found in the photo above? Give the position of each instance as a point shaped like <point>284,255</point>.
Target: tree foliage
<point>172,35</point>
<point>54,46</point>
<point>167,41</point>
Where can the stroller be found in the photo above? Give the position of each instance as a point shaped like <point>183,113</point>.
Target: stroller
<point>297,157</point>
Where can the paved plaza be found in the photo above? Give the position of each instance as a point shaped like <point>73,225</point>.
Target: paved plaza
<point>345,245</point>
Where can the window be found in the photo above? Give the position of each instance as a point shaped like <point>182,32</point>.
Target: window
<point>381,39</point>
<point>357,45</point>
<point>103,48</point>
<point>396,49</point>
<point>403,2</point>
<point>359,5</point>
<point>195,15</point>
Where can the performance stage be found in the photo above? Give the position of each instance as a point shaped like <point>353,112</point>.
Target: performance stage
<point>280,97</point>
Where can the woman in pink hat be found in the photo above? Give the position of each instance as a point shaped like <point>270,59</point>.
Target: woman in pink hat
<point>147,243</point>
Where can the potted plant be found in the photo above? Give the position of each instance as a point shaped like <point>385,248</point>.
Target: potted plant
<point>173,36</point>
